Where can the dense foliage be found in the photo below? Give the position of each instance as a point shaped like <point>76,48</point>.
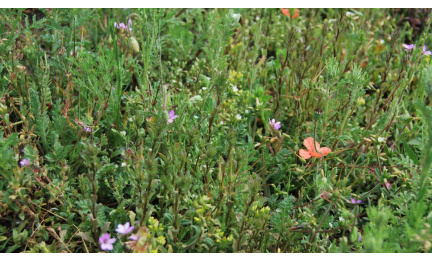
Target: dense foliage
<point>196,126</point>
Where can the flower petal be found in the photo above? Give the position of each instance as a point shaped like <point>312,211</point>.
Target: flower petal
<point>325,150</point>
<point>285,11</point>
<point>305,154</point>
<point>316,154</point>
<point>309,143</point>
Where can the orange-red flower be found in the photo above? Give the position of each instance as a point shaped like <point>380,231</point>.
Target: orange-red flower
<point>311,152</point>
<point>286,12</point>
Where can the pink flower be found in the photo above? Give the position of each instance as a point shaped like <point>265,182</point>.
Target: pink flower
<point>171,116</point>
<point>87,129</point>
<point>135,237</point>
<point>353,201</point>
<point>408,47</point>
<point>359,238</point>
<point>426,52</point>
<point>274,124</point>
<point>123,26</point>
<point>106,242</point>
<point>25,162</point>
<point>388,185</point>
<point>124,229</point>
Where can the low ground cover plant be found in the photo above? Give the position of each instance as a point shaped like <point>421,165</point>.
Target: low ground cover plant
<point>215,130</point>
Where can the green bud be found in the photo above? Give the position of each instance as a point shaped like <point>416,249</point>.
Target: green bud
<point>317,113</point>
<point>133,44</point>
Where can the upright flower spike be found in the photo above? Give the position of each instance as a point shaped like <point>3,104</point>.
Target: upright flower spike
<point>124,229</point>
<point>171,116</point>
<point>106,242</point>
<point>310,144</point>
<point>274,124</point>
<point>425,51</point>
<point>408,47</point>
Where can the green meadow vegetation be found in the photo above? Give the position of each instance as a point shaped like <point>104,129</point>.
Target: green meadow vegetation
<point>215,130</point>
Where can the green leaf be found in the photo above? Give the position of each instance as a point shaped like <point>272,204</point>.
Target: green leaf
<point>412,155</point>
<point>191,242</point>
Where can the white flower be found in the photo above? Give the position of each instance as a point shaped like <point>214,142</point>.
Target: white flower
<point>236,17</point>
<point>123,164</point>
<point>235,89</point>
<point>381,139</point>
<point>196,98</point>
<point>221,122</point>
<point>238,117</point>
<point>349,13</point>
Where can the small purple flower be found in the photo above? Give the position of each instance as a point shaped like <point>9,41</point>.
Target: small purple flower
<point>123,26</point>
<point>425,51</point>
<point>124,229</point>
<point>87,129</point>
<point>106,242</point>
<point>171,116</point>
<point>353,201</point>
<point>408,47</point>
<point>135,237</point>
<point>274,124</point>
<point>25,162</point>
<point>359,238</point>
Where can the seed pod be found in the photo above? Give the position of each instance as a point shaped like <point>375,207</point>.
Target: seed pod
<point>133,44</point>
<point>317,113</point>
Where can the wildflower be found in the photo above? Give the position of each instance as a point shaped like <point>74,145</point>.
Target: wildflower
<point>286,12</point>
<point>124,229</point>
<point>426,52</point>
<point>353,201</point>
<point>388,184</point>
<point>310,144</point>
<point>123,26</point>
<point>274,124</point>
<point>238,117</point>
<point>135,237</point>
<point>171,116</point>
<point>359,238</point>
<point>106,242</point>
<point>87,129</point>
<point>25,162</point>
<point>408,47</point>
<point>234,88</point>
<point>381,139</point>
